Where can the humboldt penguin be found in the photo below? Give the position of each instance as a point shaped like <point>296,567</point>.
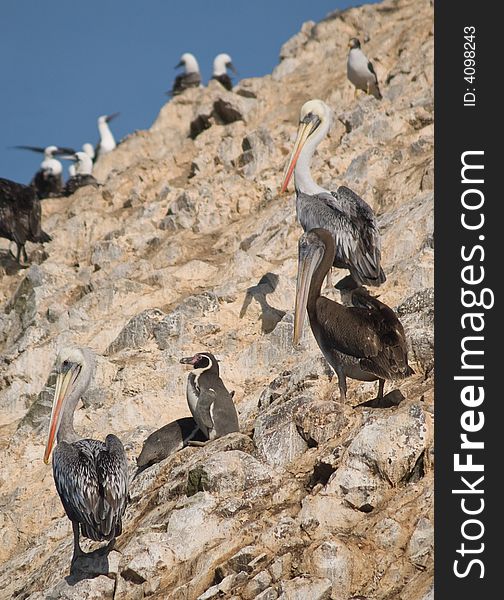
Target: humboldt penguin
<point>209,401</point>
<point>167,440</point>
<point>360,70</point>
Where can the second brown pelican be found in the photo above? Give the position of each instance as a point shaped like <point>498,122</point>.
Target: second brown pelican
<point>348,217</point>
<point>91,476</point>
<point>364,342</point>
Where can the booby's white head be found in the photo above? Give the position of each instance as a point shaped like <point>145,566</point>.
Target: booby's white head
<point>315,121</point>
<point>49,151</point>
<point>83,164</point>
<point>221,63</point>
<point>89,150</point>
<point>189,62</point>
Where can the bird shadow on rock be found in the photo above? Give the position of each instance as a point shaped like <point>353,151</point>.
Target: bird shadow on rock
<point>89,565</point>
<point>270,316</point>
<point>392,398</point>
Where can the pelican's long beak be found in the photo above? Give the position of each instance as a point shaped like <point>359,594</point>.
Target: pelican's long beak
<point>304,130</point>
<point>65,382</point>
<point>309,258</point>
<point>112,116</point>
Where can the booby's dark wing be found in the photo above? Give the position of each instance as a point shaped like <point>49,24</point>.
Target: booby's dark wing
<point>224,80</point>
<point>78,181</point>
<point>32,148</point>
<point>92,479</point>
<point>184,81</point>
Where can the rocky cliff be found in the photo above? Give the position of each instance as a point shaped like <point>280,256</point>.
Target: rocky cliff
<point>188,246</point>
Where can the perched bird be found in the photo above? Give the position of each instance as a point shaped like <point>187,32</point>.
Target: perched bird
<point>167,440</point>
<point>48,180</point>
<point>364,342</point>
<point>89,150</point>
<point>360,70</point>
<point>221,63</point>
<point>107,142</point>
<point>91,476</point>
<point>209,401</point>
<point>83,167</point>
<point>189,78</point>
<point>20,216</point>
<point>348,217</point>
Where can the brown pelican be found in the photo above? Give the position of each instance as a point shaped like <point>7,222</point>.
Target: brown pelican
<point>83,169</point>
<point>209,401</point>
<point>107,142</point>
<point>48,180</point>
<point>350,220</point>
<point>189,78</point>
<point>221,63</point>
<point>91,477</point>
<point>167,440</point>
<point>20,216</point>
<point>360,70</point>
<point>364,342</point>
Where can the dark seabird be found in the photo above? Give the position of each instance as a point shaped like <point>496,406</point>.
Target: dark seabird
<point>364,342</point>
<point>166,441</point>
<point>189,78</point>
<point>221,63</point>
<point>348,217</point>
<point>91,476</point>
<point>107,142</point>
<point>83,167</point>
<point>209,401</point>
<point>20,216</point>
<point>48,180</point>
<point>360,70</point>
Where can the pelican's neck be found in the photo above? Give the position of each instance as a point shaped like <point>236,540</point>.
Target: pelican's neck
<point>319,274</point>
<point>66,431</point>
<point>106,137</point>
<point>303,180</point>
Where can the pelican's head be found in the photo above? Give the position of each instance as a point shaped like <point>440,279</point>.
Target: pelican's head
<point>312,247</point>
<point>74,367</point>
<point>354,43</point>
<point>314,118</point>
<point>189,62</point>
<point>221,63</point>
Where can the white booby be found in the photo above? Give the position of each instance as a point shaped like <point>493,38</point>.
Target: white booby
<point>89,150</point>
<point>348,217</point>
<point>107,142</point>
<point>190,77</point>
<point>48,180</point>
<point>20,216</point>
<point>360,70</point>
<point>221,63</point>
<point>209,401</point>
<point>366,341</point>
<point>83,169</point>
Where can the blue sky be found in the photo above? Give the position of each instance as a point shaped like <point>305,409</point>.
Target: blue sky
<point>64,63</point>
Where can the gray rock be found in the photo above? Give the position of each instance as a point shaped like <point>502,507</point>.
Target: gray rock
<point>137,331</point>
<point>301,588</point>
<point>417,316</point>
